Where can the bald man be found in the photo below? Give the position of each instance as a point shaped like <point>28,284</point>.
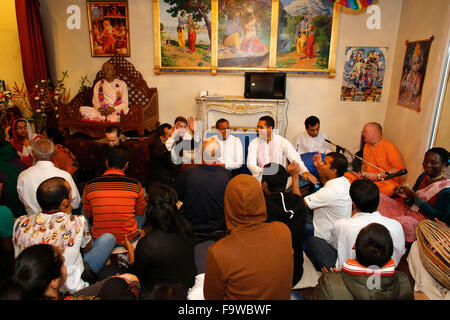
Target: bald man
<point>201,189</point>
<point>109,99</point>
<point>383,154</point>
<point>30,179</point>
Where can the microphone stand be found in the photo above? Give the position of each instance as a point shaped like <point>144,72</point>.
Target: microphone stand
<point>338,148</point>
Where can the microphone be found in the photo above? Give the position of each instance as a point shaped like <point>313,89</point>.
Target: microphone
<point>338,148</point>
<point>393,175</point>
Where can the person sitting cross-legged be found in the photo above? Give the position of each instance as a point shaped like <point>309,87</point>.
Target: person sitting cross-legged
<point>201,189</point>
<point>372,276</point>
<point>56,225</point>
<point>255,259</point>
<point>330,203</point>
<point>109,98</point>
<point>366,197</point>
<point>286,207</point>
<point>166,253</point>
<point>114,201</point>
<point>429,198</point>
<point>30,179</point>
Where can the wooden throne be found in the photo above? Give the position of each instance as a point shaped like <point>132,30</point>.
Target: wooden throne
<point>143,105</point>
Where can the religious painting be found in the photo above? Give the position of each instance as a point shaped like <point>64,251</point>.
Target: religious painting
<point>185,34</point>
<point>363,75</point>
<point>235,36</point>
<point>108,28</point>
<point>413,73</point>
<point>244,33</point>
<point>307,35</point>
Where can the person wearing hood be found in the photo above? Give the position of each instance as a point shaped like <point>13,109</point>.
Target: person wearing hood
<point>254,261</point>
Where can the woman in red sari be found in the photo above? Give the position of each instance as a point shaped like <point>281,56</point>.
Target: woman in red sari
<point>192,35</point>
<point>22,139</point>
<point>428,198</point>
<point>310,43</point>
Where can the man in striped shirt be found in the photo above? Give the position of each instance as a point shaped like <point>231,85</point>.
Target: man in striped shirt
<point>114,201</point>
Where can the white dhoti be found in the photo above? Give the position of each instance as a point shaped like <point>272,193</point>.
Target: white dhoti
<point>91,113</point>
<point>114,92</point>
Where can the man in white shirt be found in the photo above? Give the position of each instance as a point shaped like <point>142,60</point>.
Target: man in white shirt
<point>269,147</point>
<point>30,179</point>
<point>366,197</point>
<point>330,203</point>
<point>232,153</point>
<point>312,140</point>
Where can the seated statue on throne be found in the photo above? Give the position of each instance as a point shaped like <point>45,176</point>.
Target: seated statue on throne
<point>110,97</point>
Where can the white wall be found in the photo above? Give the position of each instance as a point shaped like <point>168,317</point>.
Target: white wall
<point>408,129</point>
<point>70,50</point>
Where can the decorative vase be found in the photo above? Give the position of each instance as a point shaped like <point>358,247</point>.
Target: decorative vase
<point>39,121</point>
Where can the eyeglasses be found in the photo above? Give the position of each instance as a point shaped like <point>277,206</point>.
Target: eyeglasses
<point>20,128</point>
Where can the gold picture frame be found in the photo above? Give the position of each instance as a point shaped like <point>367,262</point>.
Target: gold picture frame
<point>109,29</point>
<point>232,37</point>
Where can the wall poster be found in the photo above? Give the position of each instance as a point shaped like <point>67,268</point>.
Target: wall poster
<point>413,73</point>
<point>363,75</point>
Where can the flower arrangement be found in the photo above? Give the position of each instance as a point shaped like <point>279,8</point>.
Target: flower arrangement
<point>41,101</point>
<point>46,98</point>
<point>5,103</point>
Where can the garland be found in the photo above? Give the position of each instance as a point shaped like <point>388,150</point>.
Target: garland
<point>101,97</point>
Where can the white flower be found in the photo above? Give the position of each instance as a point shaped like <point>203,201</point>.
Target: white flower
<point>36,98</point>
<point>38,110</point>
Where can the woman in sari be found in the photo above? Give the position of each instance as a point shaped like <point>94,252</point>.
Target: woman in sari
<point>192,35</point>
<point>429,198</point>
<point>22,139</point>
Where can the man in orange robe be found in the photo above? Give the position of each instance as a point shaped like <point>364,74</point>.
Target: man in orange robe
<point>381,153</point>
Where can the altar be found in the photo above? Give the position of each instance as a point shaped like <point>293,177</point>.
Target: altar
<point>241,113</point>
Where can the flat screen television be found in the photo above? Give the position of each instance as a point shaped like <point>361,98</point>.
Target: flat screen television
<point>265,85</point>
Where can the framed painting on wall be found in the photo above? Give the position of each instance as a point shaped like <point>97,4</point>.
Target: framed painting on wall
<point>307,36</point>
<point>108,28</point>
<point>413,73</point>
<point>244,34</point>
<point>363,75</point>
<point>183,35</point>
<point>235,36</point>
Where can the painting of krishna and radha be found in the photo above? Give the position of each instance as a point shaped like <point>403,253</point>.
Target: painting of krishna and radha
<point>244,34</point>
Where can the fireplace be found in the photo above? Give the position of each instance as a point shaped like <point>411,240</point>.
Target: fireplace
<point>242,113</point>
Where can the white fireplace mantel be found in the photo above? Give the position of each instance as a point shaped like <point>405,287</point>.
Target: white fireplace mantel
<point>241,112</point>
